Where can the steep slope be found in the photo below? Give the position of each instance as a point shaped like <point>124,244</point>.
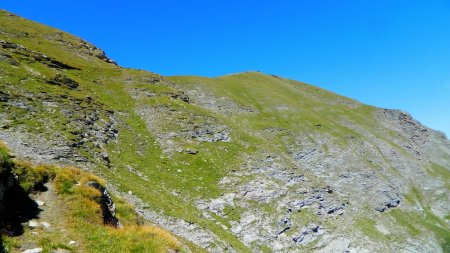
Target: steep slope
<point>240,163</point>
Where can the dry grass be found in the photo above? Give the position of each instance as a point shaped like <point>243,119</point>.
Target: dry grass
<point>85,219</point>
<point>136,234</point>
<point>3,146</point>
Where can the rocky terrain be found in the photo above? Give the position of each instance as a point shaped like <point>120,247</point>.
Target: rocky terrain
<point>247,162</point>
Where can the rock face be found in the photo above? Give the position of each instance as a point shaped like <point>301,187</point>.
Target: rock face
<point>61,80</point>
<point>30,55</point>
<point>240,163</point>
<point>107,205</point>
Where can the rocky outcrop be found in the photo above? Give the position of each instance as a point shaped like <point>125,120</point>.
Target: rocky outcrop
<point>87,122</point>
<point>31,56</point>
<point>107,205</point>
<point>308,234</point>
<point>210,133</point>
<point>62,80</point>
<point>187,229</point>
<point>97,52</point>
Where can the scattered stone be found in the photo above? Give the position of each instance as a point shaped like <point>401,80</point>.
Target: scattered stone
<point>35,250</point>
<point>192,151</point>
<point>33,224</point>
<point>308,235</point>
<point>40,203</point>
<point>72,243</point>
<point>60,251</point>
<point>45,224</point>
<point>210,134</point>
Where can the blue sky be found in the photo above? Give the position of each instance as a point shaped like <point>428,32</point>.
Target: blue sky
<point>392,54</point>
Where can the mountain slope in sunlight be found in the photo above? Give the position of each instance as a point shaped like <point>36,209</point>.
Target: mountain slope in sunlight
<point>247,162</point>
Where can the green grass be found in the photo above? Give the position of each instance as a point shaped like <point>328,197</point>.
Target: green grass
<point>438,171</point>
<point>367,226</point>
<point>5,161</point>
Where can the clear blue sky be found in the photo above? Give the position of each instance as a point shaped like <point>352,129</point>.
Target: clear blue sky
<point>392,54</point>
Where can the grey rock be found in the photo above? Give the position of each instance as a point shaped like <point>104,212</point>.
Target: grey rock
<point>35,250</point>
<point>45,224</point>
<point>60,251</point>
<point>192,151</point>
<point>107,204</point>
<point>33,224</point>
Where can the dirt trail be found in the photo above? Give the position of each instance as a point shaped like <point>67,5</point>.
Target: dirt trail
<point>50,223</point>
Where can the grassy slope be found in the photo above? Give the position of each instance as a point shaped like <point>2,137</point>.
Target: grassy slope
<point>78,209</point>
<point>110,92</point>
<point>308,106</point>
<point>111,88</point>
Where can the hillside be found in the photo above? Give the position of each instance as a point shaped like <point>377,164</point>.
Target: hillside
<point>247,162</point>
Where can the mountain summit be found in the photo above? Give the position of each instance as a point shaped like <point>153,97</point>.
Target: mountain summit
<point>246,162</point>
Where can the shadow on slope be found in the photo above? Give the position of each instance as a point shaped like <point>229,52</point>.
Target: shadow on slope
<point>2,248</point>
<point>19,208</point>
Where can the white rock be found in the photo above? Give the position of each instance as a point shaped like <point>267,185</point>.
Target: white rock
<point>60,251</point>
<point>45,224</point>
<point>40,203</point>
<point>130,192</point>
<point>72,242</point>
<point>337,245</point>
<point>382,229</point>
<point>35,250</point>
<point>33,224</point>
